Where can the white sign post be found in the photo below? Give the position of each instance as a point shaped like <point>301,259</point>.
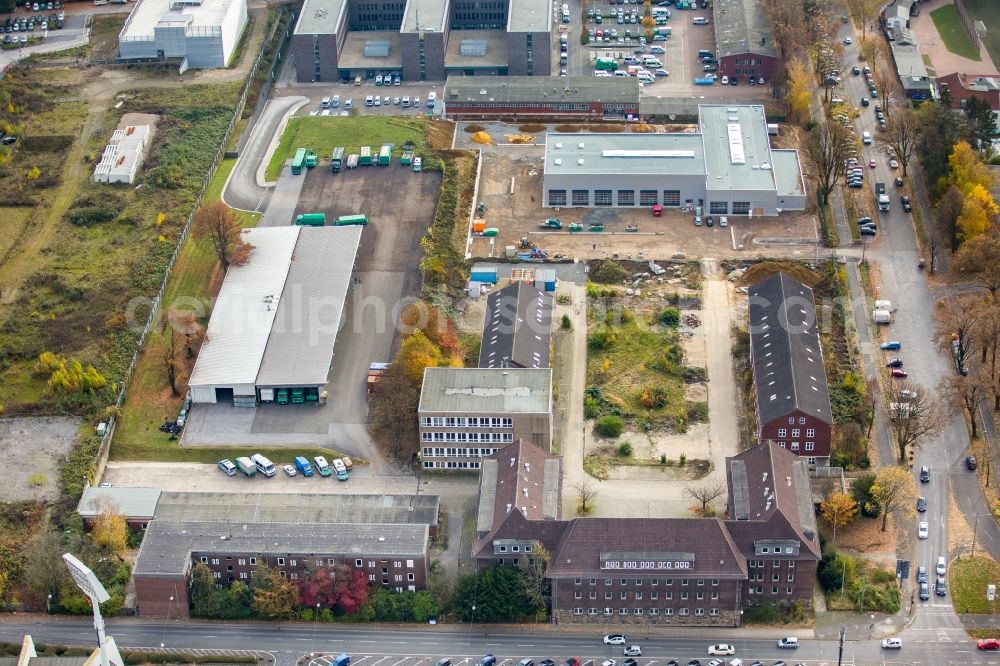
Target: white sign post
<point>991,592</point>
<point>92,587</point>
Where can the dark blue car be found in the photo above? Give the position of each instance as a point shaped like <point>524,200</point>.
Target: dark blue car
<point>891,345</point>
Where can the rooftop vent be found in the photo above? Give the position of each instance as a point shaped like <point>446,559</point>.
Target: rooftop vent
<point>580,161</point>
<point>580,145</point>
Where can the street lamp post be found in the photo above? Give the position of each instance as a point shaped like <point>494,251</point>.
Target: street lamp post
<point>94,590</point>
<point>312,652</point>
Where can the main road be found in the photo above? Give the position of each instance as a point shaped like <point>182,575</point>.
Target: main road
<point>463,644</point>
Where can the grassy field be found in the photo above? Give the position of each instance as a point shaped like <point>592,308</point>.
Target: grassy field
<point>968,578</point>
<point>986,11</point>
<point>951,31</point>
<point>324,133</point>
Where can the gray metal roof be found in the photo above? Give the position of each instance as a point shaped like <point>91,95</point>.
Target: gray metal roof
<point>300,346</point>
<point>737,150</point>
<point>910,66</point>
<point>540,89</point>
<point>634,154</point>
<point>517,328</point>
<point>298,507</point>
<point>167,545</point>
<point>486,391</point>
<point>787,171</point>
<point>131,502</point>
<point>786,354</point>
<point>742,27</point>
<point>529,16</point>
<point>425,16</point>
<point>320,17</point>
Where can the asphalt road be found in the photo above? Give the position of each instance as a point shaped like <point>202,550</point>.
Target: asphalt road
<point>245,189</point>
<point>367,645</point>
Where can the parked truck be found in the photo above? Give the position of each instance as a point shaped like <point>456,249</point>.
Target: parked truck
<point>311,220</point>
<point>337,161</point>
<point>385,155</point>
<point>881,317</point>
<point>609,64</point>
<point>881,196</point>
<point>366,156</point>
<point>352,161</point>
<point>311,159</point>
<point>551,223</point>
<point>246,466</point>
<point>407,158</point>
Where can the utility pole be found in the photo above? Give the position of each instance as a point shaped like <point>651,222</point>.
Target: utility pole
<point>840,647</point>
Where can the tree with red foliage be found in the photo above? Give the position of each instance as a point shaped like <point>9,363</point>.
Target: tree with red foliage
<point>350,588</point>
<point>345,587</point>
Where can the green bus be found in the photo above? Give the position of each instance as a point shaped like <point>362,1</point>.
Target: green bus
<point>607,64</point>
<point>347,220</point>
<point>298,161</point>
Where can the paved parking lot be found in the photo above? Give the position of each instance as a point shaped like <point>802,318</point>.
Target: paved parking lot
<point>471,660</point>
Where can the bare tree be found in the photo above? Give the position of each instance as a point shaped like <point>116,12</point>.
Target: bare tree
<point>585,493</point>
<point>533,567</point>
<point>392,413</point>
<point>902,132</point>
<point>866,11</point>
<point>827,147</point>
<point>887,84</point>
<point>958,320</point>
<point>181,336</point>
<point>933,245</point>
<point>706,492</point>
<point>966,392</point>
<point>913,414</point>
<point>216,222</point>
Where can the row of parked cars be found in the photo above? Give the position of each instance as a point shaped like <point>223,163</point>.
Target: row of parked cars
<point>340,467</point>
<point>29,23</point>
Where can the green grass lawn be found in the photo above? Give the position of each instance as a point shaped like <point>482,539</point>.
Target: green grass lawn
<point>968,578</point>
<point>324,133</point>
<point>986,11</point>
<point>951,31</point>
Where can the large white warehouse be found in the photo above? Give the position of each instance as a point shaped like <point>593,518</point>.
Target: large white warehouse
<point>202,32</point>
<point>728,167</point>
<point>276,318</point>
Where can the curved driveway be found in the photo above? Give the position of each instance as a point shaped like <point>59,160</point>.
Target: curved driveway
<point>247,188</point>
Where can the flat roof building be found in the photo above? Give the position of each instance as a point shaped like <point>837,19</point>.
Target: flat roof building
<point>421,40</point>
<point>276,318</point>
<point>203,33</point>
<point>517,329</point>
<point>467,414</point>
<point>727,167</point>
<point>525,97</point>
<point>138,505</point>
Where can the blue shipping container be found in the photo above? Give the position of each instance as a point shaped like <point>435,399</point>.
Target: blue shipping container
<point>704,82</point>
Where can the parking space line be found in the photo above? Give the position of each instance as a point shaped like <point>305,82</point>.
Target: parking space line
<point>376,663</point>
<point>400,661</point>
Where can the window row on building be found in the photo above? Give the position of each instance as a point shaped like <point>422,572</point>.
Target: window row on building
<point>713,612</point>
<point>796,432</point>
<point>451,464</point>
<point>749,61</point>
<point>653,582</point>
<point>485,437</point>
<point>466,422</point>
<point>451,452</point>
<point>653,594</point>
<point>625,198</point>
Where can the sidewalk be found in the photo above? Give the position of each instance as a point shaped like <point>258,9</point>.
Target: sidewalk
<point>981,621</point>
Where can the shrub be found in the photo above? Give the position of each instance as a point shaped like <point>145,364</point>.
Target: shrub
<point>625,450</point>
<point>602,338</point>
<point>653,397</point>
<point>663,458</point>
<point>610,426</point>
<point>682,460</point>
<point>861,491</point>
<point>670,317</point>
<point>697,412</point>
<point>606,271</point>
<point>566,323</point>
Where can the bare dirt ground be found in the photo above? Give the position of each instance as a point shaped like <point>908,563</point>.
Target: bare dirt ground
<point>944,61</point>
<point>517,216</point>
<point>38,445</point>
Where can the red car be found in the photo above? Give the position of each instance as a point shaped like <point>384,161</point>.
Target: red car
<point>989,644</point>
<point>871,164</point>
<point>901,374</point>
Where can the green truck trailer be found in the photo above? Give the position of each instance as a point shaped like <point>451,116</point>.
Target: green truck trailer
<point>366,156</point>
<point>407,158</point>
<point>311,220</point>
<point>337,160</point>
<point>385,155</point>
<point>311,159</point>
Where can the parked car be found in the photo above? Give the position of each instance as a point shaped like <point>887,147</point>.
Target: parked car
<point>899,181</point>
<point>970,463</point>
<point>893,164</point>
<point>894,363</point>
<point>925,474</point>
<point>923,529</point>
<point>614,639</point>
<point>940,587</point>
<point>227,466</point>
<point>289,470</point>
<point>488,660</point>
<point>905,201</point>
<point>988,644</point>
<point>891,345</point>
<point>633,651</point>
<point>899,374</point>
<point>925,591</point>
<point>921,574</point>
<point>721,650</point>
<point>892,643</point>
<point>941,568</point>
<point>921,504</point>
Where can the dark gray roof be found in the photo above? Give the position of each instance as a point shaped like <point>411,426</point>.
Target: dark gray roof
<point>168,545</point>
<point>703,541</point>
<point>519,477</point>
<point>787,358</point>
<point>517,328</point>
<point>298,507</point>
<point>742,27</point>
<point>503,89</point>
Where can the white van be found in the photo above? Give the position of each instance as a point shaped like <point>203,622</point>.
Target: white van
<point>264,466</point>
<point>431,98</point>
<point>866,138</point>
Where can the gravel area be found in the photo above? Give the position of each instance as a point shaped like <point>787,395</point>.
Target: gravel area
<point>36,446</point>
